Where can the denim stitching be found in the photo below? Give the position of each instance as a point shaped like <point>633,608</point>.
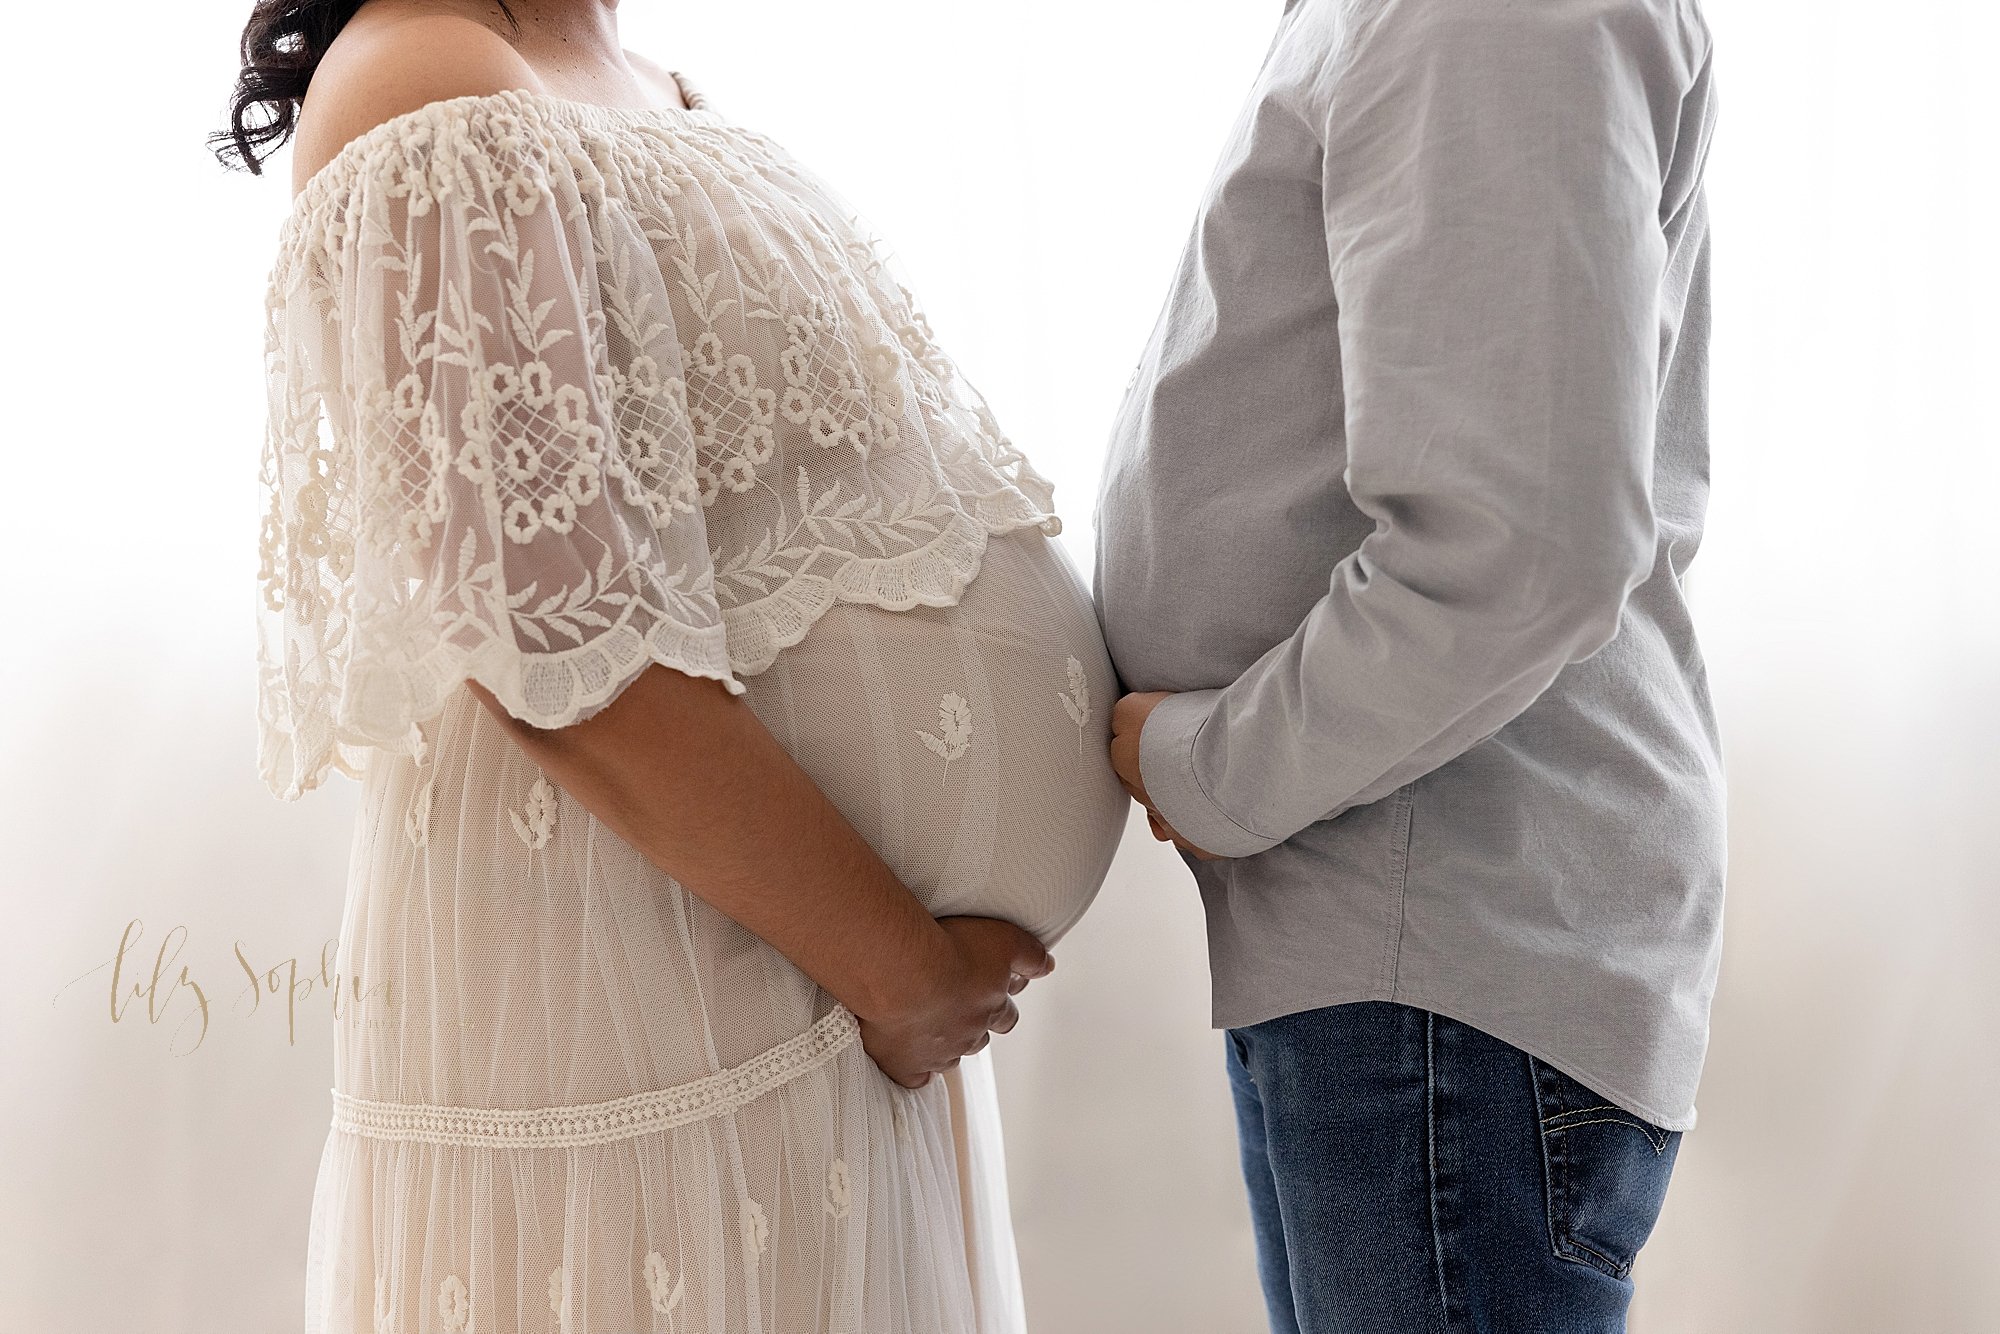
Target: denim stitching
<point>1550,1211</point>
<point>1655,1136</point>
<point>1430,1130</point>
<point>1555,1159</point>
<point>1659,1145</point>
<point>1601,1107</point>
<point>1608,1265</point>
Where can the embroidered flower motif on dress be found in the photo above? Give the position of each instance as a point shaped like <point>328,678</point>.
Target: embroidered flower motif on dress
<point>954,732</point>
<point>899,1118</point>
<point>756,1231</point>
<point>839,1196</point>
<point>454,1305</point>
<point>662,1285</point>
<point>556,1292</point>
<point>538,821</point>
<point>417,822</point>
<point>1076,700</point>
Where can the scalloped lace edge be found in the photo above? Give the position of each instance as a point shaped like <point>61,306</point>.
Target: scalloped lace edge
<point>292,761</point>
<point>942,567</point>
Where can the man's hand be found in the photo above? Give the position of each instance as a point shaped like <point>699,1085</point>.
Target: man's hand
<point>958,1008</point>
<point>1128,718</point>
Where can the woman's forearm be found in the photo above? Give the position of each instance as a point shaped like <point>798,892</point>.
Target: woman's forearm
<point>689,776</point>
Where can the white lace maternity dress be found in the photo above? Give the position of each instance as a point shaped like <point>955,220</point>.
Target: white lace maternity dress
<point>559,391</point>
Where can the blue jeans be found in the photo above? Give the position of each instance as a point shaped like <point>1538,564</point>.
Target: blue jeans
<point>1409,1174</point>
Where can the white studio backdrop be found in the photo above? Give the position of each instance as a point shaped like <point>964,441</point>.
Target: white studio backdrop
<point>1035,167</point>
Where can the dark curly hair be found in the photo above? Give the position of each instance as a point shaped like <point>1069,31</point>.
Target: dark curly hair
<point>282,45</point>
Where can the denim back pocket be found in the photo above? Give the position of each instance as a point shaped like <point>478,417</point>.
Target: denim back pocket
<point>1605,1172</point>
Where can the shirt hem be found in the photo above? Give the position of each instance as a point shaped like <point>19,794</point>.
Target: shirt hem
<point>1644,1108</point>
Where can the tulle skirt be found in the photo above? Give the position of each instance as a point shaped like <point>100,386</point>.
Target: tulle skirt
<point>726,1207</point>
<point>570,1097</point>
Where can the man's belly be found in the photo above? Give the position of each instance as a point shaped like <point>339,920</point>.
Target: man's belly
<point>966,743</point>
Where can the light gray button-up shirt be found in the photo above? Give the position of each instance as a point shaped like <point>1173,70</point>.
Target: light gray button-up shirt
<point>1401,500</point>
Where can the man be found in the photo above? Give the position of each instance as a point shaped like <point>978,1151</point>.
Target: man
<point>1391,543</point>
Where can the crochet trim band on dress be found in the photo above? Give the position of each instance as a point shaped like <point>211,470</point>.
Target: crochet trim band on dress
<point>580,1124</point>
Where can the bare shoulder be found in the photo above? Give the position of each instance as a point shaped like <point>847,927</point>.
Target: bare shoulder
<point>388,62</point>
<point>660,78</point>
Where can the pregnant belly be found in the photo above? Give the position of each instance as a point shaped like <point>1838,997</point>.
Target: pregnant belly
<point>966,743</point>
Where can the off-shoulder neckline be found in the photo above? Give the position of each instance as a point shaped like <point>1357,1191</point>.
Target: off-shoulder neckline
<point>590,114</point>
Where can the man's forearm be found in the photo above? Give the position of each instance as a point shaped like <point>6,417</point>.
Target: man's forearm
<point>688,775</point>
<point>1314,728</point>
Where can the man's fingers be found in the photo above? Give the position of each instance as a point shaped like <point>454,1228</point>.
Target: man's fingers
<point>1132,709</point>
<point>1199,854</point>
<point>1166,834</point>
<point>979,1046</point>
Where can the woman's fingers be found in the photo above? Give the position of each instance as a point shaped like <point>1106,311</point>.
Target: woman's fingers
<point>998,960</point>
<point>1031,958</point>
<point>1004,1018</point>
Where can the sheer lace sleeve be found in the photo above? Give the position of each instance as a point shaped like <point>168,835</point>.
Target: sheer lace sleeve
<point>478,463</point>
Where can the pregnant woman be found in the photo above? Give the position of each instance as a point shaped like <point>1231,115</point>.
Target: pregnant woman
<point>731,735</point>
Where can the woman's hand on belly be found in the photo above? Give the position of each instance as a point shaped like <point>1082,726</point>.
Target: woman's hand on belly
<point>688,776</point>
<point>956,1012</point>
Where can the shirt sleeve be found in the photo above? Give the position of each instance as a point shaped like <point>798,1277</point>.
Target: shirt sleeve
<point>479,464</point>
<point>1492,195</point>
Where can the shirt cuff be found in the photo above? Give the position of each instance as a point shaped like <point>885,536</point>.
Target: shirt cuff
<point>1166,769</point>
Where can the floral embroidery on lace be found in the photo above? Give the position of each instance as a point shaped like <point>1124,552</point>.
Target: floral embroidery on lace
<point>454,1304</point>
<point>954,732</point>
<point>1076,700</point>
<point>839,1194</point>
<point>538,821</point>
<point>756,1231</point>
<point>535,370</point>
<point>662,1285</point>
<point>417,821</point>
<point>556,1286</point>
<point>900,1119</point>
